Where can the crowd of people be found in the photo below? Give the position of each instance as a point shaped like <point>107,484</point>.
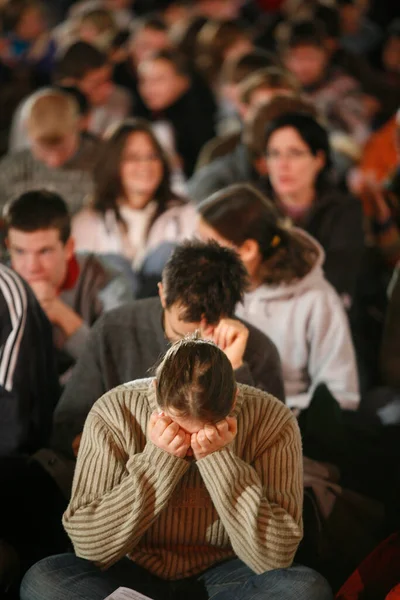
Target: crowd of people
<point>199,299</point>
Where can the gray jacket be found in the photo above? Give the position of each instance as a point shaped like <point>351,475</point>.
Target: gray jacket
<point>235,167</point>
<point>98,289</point>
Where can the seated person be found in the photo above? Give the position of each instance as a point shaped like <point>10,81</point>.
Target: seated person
<point>201,286</point>
<point>165,481</point>
<point>85,67</point>
<point>359,34</point>
<point>257,89</point>
<point>73,290</point>
<point>289,297</point>
<point>98,28</point>
<point>59,157</point>
<point>381,203</point>
<point>26,40</point>
<point>337,96</point>
<point>171,95</point>
<point>379,86</point>
<point>234,71</point>
<point>149,35</point>
<point>216,42</point>
<point>28,380</point>
<point>246,162</point>
<point>133,210</point>
<point>300,183</point>
<point>88,69</point>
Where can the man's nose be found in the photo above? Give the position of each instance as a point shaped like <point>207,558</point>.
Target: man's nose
<point>32,263</point>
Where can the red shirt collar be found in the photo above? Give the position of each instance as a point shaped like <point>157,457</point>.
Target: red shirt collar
<point>72,274</point>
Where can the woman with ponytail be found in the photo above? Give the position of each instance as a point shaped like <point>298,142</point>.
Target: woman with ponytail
<point>289,298</point>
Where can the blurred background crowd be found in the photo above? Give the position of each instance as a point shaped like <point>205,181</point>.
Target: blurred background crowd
<point>269,126</point>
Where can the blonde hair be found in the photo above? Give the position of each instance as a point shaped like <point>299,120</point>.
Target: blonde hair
<point>51,115</point>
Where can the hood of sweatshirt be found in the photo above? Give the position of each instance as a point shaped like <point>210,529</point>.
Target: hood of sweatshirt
<point>314,278</point>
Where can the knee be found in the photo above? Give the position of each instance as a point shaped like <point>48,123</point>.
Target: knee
<point>318,588</point>
<point>41,580</point>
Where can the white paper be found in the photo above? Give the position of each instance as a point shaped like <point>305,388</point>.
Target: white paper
<point>123,593</point>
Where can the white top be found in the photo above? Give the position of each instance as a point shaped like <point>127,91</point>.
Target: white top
<point>309,326</point>
<point>93,233</point>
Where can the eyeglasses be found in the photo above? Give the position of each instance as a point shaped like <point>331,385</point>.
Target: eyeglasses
<point>292,155</point>
<point>136,158</point>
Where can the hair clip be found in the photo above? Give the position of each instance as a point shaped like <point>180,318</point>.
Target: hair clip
<point>276,240</point>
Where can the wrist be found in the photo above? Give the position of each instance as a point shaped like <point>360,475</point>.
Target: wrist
<point>237,364</point>
<point>67,319</point>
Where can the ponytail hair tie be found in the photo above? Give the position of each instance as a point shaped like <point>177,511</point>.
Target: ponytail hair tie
<point>276,240</point>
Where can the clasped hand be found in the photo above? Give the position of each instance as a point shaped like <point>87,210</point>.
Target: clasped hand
<point>165,433</point>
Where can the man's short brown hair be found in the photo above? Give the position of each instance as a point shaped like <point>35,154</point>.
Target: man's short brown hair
<point>234,70</point>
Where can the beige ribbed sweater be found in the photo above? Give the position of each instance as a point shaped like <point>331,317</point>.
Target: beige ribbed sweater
<point>177,518</point>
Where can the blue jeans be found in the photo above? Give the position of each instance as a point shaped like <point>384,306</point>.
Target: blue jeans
<point>66,577</point>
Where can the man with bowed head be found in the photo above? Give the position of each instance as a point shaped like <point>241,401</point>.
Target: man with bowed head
<point>201,285</point>
<point>168,471</point>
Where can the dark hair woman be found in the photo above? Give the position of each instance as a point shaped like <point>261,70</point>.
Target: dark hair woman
<point>134,208</point>
<point>289,298</point>
<point>301,184</point>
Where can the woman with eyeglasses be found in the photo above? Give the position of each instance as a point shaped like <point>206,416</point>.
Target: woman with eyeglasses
<point>300,182</point>
<point>289,298</point>
<point>133,210</point>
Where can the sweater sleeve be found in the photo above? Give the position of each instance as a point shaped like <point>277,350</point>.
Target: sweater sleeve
<point>115,497</point>
<point>260,505</point>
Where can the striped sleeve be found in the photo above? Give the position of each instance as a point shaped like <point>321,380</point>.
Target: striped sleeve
<point>115,497</point>
<point>260,505</point>
<point>15,298</point>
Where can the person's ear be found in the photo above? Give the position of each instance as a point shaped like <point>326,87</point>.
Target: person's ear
<point>69,248</point>
<point>320,160</point>
<point>260,165</point>
<point>249,251</point>
<point>161,293</point>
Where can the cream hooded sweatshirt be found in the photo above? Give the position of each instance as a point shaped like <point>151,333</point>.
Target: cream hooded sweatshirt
<point>309,326</point>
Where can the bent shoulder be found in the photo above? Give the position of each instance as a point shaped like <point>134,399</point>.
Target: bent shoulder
<point>136,314</point>
<point>263,411</point>
<point>128,402</point>
<point>15,159</point>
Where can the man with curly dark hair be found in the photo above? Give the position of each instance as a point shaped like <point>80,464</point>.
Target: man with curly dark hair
<point>201,286</point>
